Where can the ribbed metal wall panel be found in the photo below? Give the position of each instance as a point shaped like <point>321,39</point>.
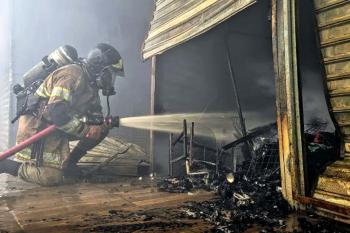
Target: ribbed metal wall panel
<point>5,113</point>
<point>177,21</point>
<point>333,18</point>
<point>5,74</point>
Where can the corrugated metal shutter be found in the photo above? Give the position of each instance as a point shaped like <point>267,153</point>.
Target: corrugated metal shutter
<point>4,113</point>
<point>5,51</point>
<point>177,21</point>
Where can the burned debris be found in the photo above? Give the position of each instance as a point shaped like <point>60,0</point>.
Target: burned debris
<point>321,148</point>
<point>241,204</point>
<point>250,196</point>
<point>252,202</point>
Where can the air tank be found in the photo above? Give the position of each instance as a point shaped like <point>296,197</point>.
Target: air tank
<point>62,56</point>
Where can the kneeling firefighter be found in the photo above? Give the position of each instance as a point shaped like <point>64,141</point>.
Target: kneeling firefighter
<point>69,99</point>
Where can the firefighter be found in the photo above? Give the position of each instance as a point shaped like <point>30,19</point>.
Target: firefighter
<point>66,96</point>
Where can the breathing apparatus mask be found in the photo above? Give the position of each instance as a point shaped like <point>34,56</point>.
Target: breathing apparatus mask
<point>104,65</point>
<point>106,80</point>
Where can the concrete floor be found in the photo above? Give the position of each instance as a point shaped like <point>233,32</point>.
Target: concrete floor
<point>129,205</point>
<point>114,207</point>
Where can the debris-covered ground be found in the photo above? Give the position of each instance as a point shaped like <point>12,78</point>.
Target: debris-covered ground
<point>248,200</point>
<point>130,205</point>
<point>137,206</point>
<point>240,205</point>
<point>251,199</point>
<point>152,220</point>
<point>249,205</point>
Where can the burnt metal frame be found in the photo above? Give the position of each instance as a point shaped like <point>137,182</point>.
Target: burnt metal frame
<point>288,103</point>
<point>289,114</point>
<point>235,90</point>
<point>188,152</point>
<point>152,111</point>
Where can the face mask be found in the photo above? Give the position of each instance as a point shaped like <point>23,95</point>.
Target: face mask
<point>105,81</point>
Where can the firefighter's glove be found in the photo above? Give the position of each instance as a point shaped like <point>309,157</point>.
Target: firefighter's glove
<point>95,132</point>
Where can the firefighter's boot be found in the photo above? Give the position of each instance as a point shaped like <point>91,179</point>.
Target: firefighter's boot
<point>9,166</point>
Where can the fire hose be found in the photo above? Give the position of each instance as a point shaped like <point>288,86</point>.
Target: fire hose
<point>110,121</point>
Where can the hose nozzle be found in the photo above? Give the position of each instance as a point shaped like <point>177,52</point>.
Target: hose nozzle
<point>112,121</point>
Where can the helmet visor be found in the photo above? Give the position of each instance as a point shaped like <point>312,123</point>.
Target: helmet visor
<point>118,68</point>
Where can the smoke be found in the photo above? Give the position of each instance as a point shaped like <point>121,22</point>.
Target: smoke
<point>192,77</point>
<point>42,26</point>
<point>195,76</point>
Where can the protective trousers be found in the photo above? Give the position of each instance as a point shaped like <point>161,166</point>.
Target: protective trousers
<point>51,176</point>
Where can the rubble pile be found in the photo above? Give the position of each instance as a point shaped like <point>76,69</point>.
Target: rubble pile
<point>247,204</point>
<point>252,196</point>
<point>181,185</point>
<point>242,205</point>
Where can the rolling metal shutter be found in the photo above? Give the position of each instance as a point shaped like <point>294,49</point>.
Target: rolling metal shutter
<point>177,21</point>
<point>5,74</point>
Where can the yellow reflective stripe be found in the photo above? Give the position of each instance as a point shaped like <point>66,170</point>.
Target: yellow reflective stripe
<point>42,92</point>
<point>118,65</point>
<point>50,159</point>
<point>22,156</point>
<point>61,92</point>
<point>39,93</point>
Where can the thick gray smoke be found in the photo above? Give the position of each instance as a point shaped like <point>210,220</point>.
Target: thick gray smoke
<point>41,26</point>
<point>192,77</point>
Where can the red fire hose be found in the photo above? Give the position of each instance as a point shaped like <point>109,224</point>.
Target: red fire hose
<point>27,142</point>
<point>112,121</point>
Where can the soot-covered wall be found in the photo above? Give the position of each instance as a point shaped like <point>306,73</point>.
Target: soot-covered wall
<point>41,26</point>
<point>312,80</point>
<point>194,77</point>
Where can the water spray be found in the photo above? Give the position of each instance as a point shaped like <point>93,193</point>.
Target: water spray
<point>208,125</point>
<point>214,125</point>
